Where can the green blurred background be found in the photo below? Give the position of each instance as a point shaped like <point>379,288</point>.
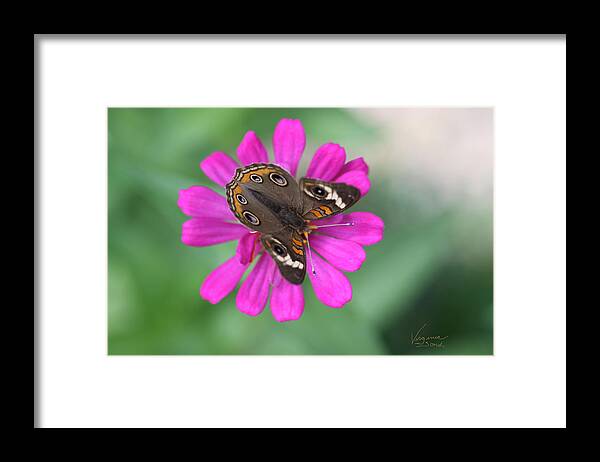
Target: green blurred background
<point>431,173</point>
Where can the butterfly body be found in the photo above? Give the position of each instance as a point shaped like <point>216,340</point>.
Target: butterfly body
<point>267,199</point>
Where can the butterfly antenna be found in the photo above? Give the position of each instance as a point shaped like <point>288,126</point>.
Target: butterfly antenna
<point>336,224</point>
<point>312,265</point>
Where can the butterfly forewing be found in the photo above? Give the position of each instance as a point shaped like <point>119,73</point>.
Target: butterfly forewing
<point>287,250</point>
<point>322,199</point>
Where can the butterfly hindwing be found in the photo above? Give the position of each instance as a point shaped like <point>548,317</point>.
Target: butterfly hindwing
<point>257,194</point>
<point>287,249</point>
<point>323,199</point>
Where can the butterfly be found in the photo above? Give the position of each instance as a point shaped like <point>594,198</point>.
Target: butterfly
<point>267,199</point>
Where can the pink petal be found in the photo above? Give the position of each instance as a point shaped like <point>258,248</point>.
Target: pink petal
<point>251,150</point>
<point>200,232</point>
<point>287,301</point>
<point>331,286</point>
<point>247,248</point>
<point>355,164</point>
<point>203,202</point>
<point>356,178</point>
<point>288,143</point>
<point>222,280</point>
<point>344,255</point>
<point>219,167</point>
<point>367,228</point>
<point>327,162</point>
<point>252,296</point>
<point>277,278</point>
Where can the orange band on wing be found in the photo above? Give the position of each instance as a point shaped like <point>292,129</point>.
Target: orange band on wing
<point>260,172</point>
<point>237,207</point>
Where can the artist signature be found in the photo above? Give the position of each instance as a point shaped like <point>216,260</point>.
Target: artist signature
<point>420,340</point>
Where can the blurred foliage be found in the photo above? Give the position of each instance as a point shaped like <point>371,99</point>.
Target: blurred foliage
<point>433,267</point>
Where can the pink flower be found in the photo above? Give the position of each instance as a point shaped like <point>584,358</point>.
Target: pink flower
<point>335,249</point>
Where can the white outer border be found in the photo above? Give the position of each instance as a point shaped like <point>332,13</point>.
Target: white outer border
<point>524,384</point>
